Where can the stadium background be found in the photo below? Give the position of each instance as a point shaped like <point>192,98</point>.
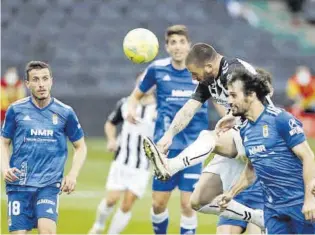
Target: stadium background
<point>82,41</point>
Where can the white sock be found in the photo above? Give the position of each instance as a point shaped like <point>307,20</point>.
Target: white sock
<point>158,218</point>
<point>189,222</point>
<point>195,153</point>
<point>119,222</point>
<point>103,211</point>
<point>235,211</point>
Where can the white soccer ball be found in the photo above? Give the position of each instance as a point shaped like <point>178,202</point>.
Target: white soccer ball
<point>140,45</point>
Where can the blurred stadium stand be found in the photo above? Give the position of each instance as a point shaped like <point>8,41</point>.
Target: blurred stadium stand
<point>82,40</point>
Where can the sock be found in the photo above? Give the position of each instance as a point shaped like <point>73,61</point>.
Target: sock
<point>235,211</point>
<point>160,222</point>
<point>103,211</point>
<point>188,225</point>
<point>195,153</point>
<point>119,222</point>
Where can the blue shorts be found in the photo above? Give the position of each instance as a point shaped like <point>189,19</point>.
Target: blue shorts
<point>252,197</point>
<point>185,179</point>
<point>287,220</point>
<point>26,207</point>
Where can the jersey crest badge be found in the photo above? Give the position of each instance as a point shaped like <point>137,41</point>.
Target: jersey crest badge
<point>265,131</point>
<point>55,119</point>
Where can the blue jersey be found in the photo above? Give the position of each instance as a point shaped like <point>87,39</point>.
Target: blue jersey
<point>268,142</point>
<point>39,139</point>
<point>174,89</point>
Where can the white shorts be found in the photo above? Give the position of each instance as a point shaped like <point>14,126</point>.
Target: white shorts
<point>229,169</point>
<point>122,177</point>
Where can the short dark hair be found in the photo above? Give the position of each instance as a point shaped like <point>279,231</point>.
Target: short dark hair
<point>36,65</point>
<point>251,83</point>
<point>176,29</point>
<point>200,53</point>
<point>264,74</point>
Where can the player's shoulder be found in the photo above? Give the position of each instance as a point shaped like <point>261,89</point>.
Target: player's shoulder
<point>63,106</point>
<point>278,114</point>
<point>20,103</point>
<point>274,111</point>
<point>237,63</point>
<point>160,63</point>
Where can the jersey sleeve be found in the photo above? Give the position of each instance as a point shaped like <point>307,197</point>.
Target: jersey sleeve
<point>73,127</point>
<point>148,79</point>
<point>201,93</point>
<point>290,128</point>
<point>116,117</point>
<point>9,124</point>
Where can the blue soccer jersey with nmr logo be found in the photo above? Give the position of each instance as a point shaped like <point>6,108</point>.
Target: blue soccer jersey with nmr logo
<point>268,142</point>
<point>174,89</point>
<point>39,139</point>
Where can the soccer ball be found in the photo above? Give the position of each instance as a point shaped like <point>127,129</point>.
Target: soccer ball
<point>140,45</point>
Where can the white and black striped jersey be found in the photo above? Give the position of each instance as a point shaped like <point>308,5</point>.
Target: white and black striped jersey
<point>130,151</point>
<point>217,88</point>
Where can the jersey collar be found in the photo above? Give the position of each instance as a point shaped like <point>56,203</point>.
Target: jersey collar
<point>260,116</point>
<point>42,109</point>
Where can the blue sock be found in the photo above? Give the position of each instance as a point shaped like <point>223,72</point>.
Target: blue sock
<point>160,222</point>
<point>188,225</point>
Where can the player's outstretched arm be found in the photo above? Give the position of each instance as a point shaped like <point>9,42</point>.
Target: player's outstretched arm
<point>133,101</point>
<point>180,121</point>
<point>247,177</point>
<point>305,153</point>
<point>79,156</point>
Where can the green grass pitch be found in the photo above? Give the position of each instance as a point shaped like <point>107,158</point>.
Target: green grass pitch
<point>77,211</point>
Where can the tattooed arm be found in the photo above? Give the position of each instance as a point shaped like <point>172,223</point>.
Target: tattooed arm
<point>180,121</point>
<point>183,117</point>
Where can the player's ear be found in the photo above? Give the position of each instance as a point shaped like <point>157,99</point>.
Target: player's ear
<point>166,48</point>
<point>208,67</point>
<point>27,83</point>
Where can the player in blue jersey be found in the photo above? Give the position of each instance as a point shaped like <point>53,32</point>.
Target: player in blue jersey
<point>279,154</point>
<point>174,86</point>
<point>38,127</point>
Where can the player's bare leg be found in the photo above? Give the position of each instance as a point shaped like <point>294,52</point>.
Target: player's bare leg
<point>104,210</point>
<point>253,229</point>
<point>20,232</point>
<point>123,214</point>
<point>188,221</point>
<point>208,188</point>
<point>46,226</point>
<point>159,211</point>
<point>229,229</point>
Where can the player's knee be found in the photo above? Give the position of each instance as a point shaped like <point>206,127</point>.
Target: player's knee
<point>186,208</point>
<point>159,206</point>
<point>126,206</point>
<point>194,203</point>
<point>111,201</point>
<point>46,226</point>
